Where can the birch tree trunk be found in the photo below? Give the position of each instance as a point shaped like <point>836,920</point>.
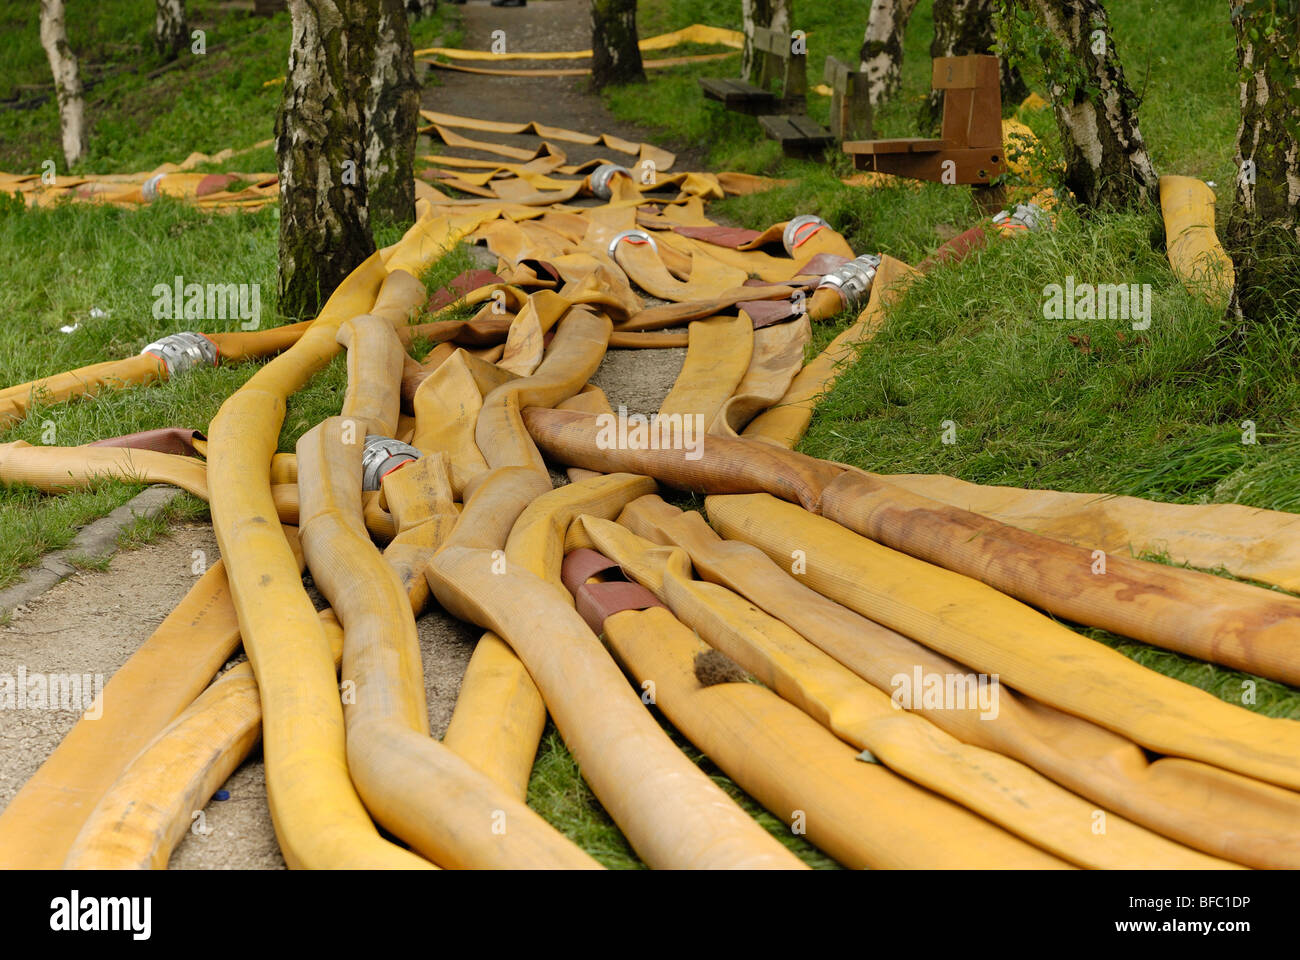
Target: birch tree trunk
<point>421,8</point>
<point>320,150</point>
<point>776,15</point>
<point>616,56</point>
<point>1106,160</point>
<point>1263,232</point>
<point>882,47</point>
<point>963,27</point>
<point>169,31</point>
<point>392,117</point>
<point>67,81</point>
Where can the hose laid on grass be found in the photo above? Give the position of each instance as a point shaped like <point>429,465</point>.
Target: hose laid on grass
<point>1195,253</point>
<point>862,814</point>
<point>673,815</point>
<point>1006,792</point>
<point>1224,621</point>
<point>1222,813</point>
<point>785,422</point>
<point>996,634</point>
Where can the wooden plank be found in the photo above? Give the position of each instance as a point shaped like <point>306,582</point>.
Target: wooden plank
<point>910,145</point>
<point>836,74</point>
<point>955,73</point>
<point>961,166</point>
<point>770,41</point>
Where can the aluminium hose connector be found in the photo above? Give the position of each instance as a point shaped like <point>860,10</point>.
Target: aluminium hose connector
<point>381,456</point>
<point>1025,216</point>
<point>631,236</point>
<point>182,352</point>
<point>800,229</point>
<point>150,187</point>
<point>600,177</point>
<point>852,281</point>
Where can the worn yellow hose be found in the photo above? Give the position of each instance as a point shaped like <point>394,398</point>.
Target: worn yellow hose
<point>1003,790</point>
<point>413,785</point>
<point>788,420</point>
<point>672,814</point>
<point>717,357</point>
<point>993,633</point>
<point>318,817</point>
<point>861,814</point>
<point>1194,250</point>
<point>1222,813</point>
<point>146,693</point>
<point>1210,617</point>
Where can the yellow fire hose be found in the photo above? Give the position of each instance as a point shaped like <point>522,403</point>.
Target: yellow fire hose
<point>1195,253</point>
<point>146,693</point>
<point>415,787</point>
<point>1006,792</point>
<point>993,633</point>
<point>318,817</point>
<point>673,815</point>
<point>1225,814</point>
<point>1220,620</point>
<point>861,814</point>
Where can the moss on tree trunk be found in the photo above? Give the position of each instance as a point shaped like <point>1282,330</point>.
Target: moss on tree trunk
<point>169,31</point>
<point>320,150</point>
<point>1106,159</point>
<point>616,56</point>
<point>1263,234</point>
<point>882,47</point>
<point>392,117</point>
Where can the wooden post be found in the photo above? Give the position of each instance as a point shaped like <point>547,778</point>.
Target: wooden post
<point>851,117</point>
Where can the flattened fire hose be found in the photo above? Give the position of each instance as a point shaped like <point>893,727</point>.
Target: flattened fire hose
<point>1222,813</point>
<point>147,692</point>
<point>673,815</point>
<point>1225,621</point>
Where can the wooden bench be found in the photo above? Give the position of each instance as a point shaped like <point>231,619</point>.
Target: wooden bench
<point>783,116</point>
<point>850,103</point>
<point>773,61</point>
<point>970,146</point>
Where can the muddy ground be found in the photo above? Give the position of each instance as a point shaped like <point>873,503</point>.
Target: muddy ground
<point>92,622</point>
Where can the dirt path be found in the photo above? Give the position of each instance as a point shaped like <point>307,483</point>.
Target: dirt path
<point>92,622</point>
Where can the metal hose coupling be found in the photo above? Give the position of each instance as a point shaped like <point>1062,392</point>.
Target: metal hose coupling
<point>149,189</point>
<point>381,456</point>
<point>1024,216</point>
<point>599,179</point>
<point>852,281</point>
<point>631,236</point>
<point>800,229</point>
<point>182,352</point>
